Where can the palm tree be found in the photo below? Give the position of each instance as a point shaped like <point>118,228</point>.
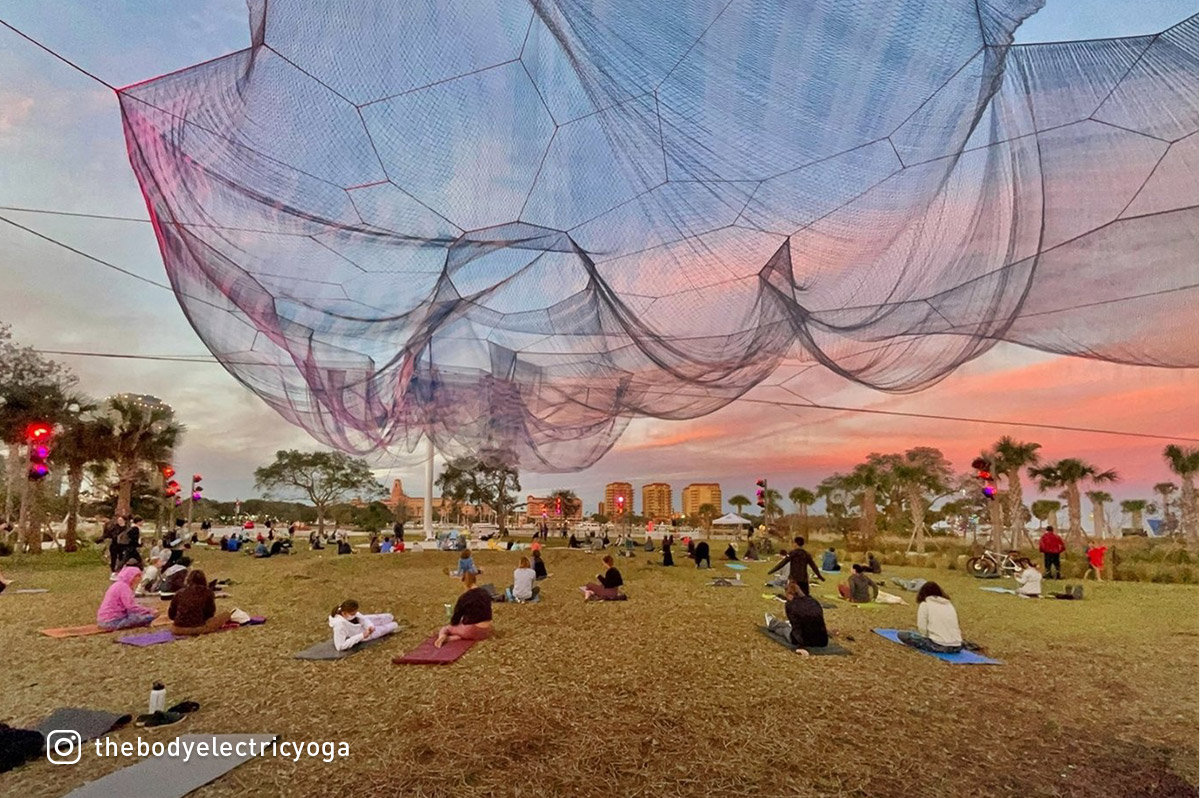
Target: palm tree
<point>1170,521</point>
<point>1009,457</point>
<point>1184,463</point>
<point>867,478</point>
<point>772,498</point>
<point>1046,509</point>
<point>739,503</point>
<point>837,493</point>
<point>1099,498</point>
<point>921,471</point>
<point>1135,508</point>
<point>1067,474</point>
<point>803,498</point>
<point>706,513</point>
<point>143,434</point>
<point>85,439</point>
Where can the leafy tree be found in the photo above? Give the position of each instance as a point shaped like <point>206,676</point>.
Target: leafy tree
<point>1099,498</point>
<point>599,518</point>
<point>570,502</point>
<point>921,472</point>
<point>706,513</point>
<point>485,482</point>
<point>867,479</point>
<point>1009,456</point>
<point>1184,462</point>
<point>771,498</point>
<point>86,438</point>
<point>1165,491</point>
<point>739,503</point>
<point>325,478</point>
<point>803,498</point>
<point>1068,473</point>
<point>144,436</point>
<point>1135,508</point>
<point>838,492</point>
<point>372,517</point>
<point>1045,509</point>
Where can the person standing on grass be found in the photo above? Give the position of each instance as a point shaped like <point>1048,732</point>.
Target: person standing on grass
<point>1095,558</point>
<point>799,562</point>
<point>1051,546</point>
<point>668,558</point>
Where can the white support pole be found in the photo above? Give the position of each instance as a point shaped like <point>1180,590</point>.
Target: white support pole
<point>428,508</point>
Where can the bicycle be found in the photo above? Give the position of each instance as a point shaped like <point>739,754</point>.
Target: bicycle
<point>990,564</point>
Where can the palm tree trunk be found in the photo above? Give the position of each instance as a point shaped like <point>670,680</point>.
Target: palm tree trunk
<point>997,518</point>
<point>31,518</point>
<point>1136,517</point>
<point>74,485</point>
<point>804,519</point>
<point>1187,506</point>
<point>14,455</point>
<point>1016,518</point>
<point>866,523</point>
<point>916,508</point>
<point>1099,528</point>
<point>125,474</point>
<point>1074,516</point>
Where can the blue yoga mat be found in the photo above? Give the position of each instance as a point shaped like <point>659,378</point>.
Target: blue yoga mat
<point>737,566</point>
<point>997,590</point>
<point>961,658</point>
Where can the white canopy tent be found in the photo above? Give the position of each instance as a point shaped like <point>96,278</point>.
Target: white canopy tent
<point>732,519</point>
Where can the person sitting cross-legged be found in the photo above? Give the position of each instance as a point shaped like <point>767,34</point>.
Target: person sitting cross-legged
<point>859,588</point>
<point>119,609</point>
<point>805,624</point>
<point>194,608</point>
<point>472,615</point>
<point>937,623</point>
<point>523,588</point>
<point>607,586</point>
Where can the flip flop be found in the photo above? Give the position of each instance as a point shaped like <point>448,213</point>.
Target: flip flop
<point>159,719</point>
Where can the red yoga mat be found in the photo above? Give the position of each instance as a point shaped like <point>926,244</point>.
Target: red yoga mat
<point>426,654</point>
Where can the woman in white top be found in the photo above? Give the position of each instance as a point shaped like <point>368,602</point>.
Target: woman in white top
<point>1029,580</point>
<point>350,627</point>
<point>937,623</point>
<point>523,589</point>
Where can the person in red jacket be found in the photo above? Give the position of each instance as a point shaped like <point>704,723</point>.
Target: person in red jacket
<point>1095,556</point>
<point>1051,546</point>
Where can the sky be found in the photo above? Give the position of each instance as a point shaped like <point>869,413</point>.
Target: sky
<point>62,148</point>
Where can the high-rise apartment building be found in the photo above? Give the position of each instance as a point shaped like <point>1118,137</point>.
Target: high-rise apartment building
<point>618,499</point>
<point>700,493</point>
<point>656,501</point>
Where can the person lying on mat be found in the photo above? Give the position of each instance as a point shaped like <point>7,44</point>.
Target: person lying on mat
<point>937,623</point>
<point>805,624</point>
<point>911,585</point>
<point>472,615</point>
<point>799,563</point>
<point>1029,579</point>
<point>466,565</point>
<point>859,589</point>
<point>829,560</point>
<point>351,627</point>
<point>730,552</point>
<point>700,554</point>
<point>194,608</point>
<point>524,576</point>
<point>607,586</point>
<point>119,610</point>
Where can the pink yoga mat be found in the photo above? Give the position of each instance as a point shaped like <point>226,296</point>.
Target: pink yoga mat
<point>426,654</point>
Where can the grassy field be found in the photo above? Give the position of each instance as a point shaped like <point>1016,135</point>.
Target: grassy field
<point>671,693</point>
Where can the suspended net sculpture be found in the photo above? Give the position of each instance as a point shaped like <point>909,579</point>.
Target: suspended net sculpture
<point>515,225</point>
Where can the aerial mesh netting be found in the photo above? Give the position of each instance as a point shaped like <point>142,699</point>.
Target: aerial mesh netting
<point>515,225</point>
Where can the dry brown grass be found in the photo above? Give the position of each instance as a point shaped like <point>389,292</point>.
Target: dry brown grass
<point>671,693</point>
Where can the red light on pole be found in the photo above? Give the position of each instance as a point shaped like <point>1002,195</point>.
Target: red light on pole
<point>38,435</point>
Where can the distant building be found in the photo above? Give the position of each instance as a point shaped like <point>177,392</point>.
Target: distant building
<point>656,502</point>
<point>701,493</point>
<point>618,499</point>
<point>414,506</point>
<point>551,509</point>
<point>600,509</point>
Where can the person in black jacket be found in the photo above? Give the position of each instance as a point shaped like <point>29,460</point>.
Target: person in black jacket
<point>700,554</point>
<point>805,626</point>
<point>668,558</point>
<point>800,561</point>
<point>472,616</point>
<point>607,585</point>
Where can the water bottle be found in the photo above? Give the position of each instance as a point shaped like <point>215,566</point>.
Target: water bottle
<point>449,611</point>
<point>158,698</point>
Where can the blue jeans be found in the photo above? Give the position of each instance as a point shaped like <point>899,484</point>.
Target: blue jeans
<point>925,644</point>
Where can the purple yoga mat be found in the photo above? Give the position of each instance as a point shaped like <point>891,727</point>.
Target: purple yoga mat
<point>426,654</point>
<point>166,636</point>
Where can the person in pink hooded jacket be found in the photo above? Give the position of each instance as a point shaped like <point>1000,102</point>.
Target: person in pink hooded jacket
<point>119,610</point>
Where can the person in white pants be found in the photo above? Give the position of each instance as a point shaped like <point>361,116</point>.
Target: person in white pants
<point>350,627</point>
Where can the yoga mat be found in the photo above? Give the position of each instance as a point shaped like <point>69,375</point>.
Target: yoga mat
<point>93,629</point>
<point>997,590</point>
<point>727,583</point>
<point>841,602</point>
<point>963,657</point>
<point>325,650</point>
<point>89,723</point>
<point>426,654</point>
<point>31,590</point>
<point>831,650</point>
<point>737,566</point>
<point>167,777</point>
<point>167,636</point>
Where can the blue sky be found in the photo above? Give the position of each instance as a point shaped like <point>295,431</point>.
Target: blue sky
<point>62,148</point>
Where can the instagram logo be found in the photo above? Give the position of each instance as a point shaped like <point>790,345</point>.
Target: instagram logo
<point>63,746</point>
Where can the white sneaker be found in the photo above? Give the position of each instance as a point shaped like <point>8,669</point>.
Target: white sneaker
<point>767,618</point>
